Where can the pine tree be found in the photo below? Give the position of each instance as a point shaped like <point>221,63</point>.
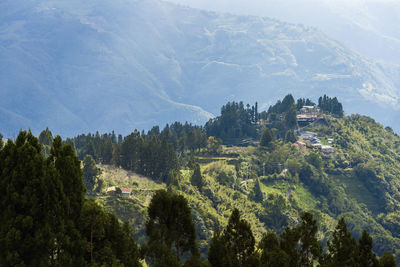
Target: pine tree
<point>31,205</point>
<point>291,117</point>
<point>272,255</point>
<point>366,257</point>
<point>387,260</point>
<point>68,168</point>
<point>169,226</point>
<point>239,239</point>
<point>289,240</point>
<point>290,136</point>
<point>218,254</point>
<point>197,178</point>
<point>257,194</point>
<point>90,173</point>
<point>310,250</point>
<point>267,138</point>
<point>342,247</point>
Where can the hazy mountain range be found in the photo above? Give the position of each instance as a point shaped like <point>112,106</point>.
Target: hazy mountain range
<point>370,27</point>
<point>79,66</point>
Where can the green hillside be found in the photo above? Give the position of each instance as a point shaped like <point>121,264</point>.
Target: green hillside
<point>272,165</point>
<point>359,181</point>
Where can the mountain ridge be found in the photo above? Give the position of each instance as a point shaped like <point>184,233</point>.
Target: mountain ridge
<point>79,67</point>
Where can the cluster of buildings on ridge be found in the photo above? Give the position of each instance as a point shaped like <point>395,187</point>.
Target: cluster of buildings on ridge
<point>309,114</point>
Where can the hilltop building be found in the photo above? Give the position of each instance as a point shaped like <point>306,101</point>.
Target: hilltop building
<point>308,114</point>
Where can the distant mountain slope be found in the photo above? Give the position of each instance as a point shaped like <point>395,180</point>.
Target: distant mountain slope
<point>370,27</point>
<point>101,65</point>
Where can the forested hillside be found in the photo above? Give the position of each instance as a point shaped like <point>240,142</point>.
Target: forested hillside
<point>298,167</point>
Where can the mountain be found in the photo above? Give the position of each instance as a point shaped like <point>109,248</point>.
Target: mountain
<point>370,27</point>
<point>118,65</point>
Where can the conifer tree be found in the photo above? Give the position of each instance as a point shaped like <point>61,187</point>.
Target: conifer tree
<point>272,255</point>
<point>387,260</point>
<point>366,257</point>
<point>290,136</point>
<point>169,226</point>
<point>267,138</point>
<point>197,178</point>
<point>239,239</point>
<point>31,222</point>
<point>310,250</point>
<point>218,254</point>
<point>289,240</point>
<point>90,172</point>
<point>291,117</point>
<point>342,247</point>
<point>257,194</point>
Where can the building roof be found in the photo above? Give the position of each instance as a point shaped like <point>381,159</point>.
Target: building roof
<point>126,190</point>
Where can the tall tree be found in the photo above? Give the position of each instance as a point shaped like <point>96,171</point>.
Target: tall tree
<point>291,117</point>
<point>257,194</point>
<point>170,226</point>
<point>366,257</point>
<point>289,242</point>
<point>90,172</point>
<point>68,171</point>
<point>290,136</point>
<point>267,138</point>
<point>239,239</point>
<point>272,255</point>
<point>218,254</point>
<point>311,249</point>
<point>342,247</point>
<point>197,178</point>
<point>387,260</point>
<point>31,205</point>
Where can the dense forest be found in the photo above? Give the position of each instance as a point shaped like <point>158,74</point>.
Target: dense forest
<point>298,202</point>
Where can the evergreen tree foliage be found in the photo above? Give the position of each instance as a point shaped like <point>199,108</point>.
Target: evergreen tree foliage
<point>106,243</point>
<point>291,117</point>
<point>267,138</point>
<point>366,256</point>
<point>170,226</point>
<point>45,220</point>
<point>301,102</point>
<point>46,137</point>
<point>218,254</point>
<point>235,121</point>
<point>311,249</point>
<point>30,219</point>
<point>197,178</point>
<point>239,239</point>
<point>342,247</point>
<point>289,241</point>
<point>331,105</point>
<point>387,260</point>
<point>290,136</point>
<point>257,194</point>
<point>272,254</point>
<point>90,172</point>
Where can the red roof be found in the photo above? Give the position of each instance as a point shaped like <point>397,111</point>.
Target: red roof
<point>126,190</point>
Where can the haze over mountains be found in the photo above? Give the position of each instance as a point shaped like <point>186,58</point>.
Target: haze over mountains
<point>79,66</point>
<point>370,27</point>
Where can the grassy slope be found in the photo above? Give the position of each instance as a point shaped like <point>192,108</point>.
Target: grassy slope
<point>212,206</point>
